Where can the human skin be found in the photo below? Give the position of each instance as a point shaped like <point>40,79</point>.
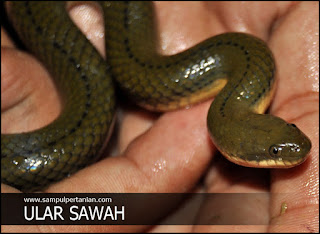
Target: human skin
<point>170,152</point>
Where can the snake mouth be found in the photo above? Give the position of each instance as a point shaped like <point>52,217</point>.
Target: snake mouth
<point>267,163</point>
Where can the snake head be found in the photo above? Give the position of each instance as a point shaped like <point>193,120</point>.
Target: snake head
<point>263,141</point>
<point>293,147</point>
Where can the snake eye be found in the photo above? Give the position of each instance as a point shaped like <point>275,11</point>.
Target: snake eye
<point>275,151</point>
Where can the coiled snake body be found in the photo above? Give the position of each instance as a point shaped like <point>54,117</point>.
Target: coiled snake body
<point>238,66</point>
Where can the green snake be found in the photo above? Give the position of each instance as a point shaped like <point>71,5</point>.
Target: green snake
<point>240,68</point>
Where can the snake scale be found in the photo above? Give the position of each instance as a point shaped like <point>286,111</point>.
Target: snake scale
<point>238,67</point>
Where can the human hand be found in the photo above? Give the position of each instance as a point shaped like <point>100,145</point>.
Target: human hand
<point>169,153</point>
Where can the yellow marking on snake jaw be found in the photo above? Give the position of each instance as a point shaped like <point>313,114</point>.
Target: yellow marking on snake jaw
<point>268,163</point>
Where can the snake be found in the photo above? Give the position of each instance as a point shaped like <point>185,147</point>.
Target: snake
<point>236,68</point>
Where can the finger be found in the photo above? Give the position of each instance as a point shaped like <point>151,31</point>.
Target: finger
<point>28,97</point>
<point>88,18</point>
<point>5,40</point>
<point>295,45</point>
<point>134,122</point>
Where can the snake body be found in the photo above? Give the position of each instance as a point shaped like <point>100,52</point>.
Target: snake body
<point>237,66</point>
